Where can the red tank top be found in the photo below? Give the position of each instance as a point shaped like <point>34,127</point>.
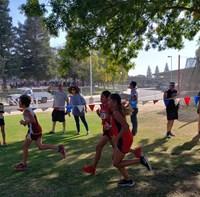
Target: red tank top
<point>116,126</point>
<point>105,113</point>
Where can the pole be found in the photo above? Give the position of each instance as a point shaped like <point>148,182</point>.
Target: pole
<point>90,73</point>
<point>179,75</point>
<point>171,68</point>
<point>91,99</point>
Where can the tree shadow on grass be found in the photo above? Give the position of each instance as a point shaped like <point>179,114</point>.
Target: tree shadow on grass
<point>148,148</point>
<point>186,146</point>
<point>50,175</point>
<point>186,114</point>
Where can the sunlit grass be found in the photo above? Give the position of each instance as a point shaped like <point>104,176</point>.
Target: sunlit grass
<point>50,175</point>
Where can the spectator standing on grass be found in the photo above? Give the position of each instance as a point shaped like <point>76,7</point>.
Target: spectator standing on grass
<point>79,108</point>
<point>134,98</point>
<point>171,108</point>
<point>2,125</point>
<point>34,133</point>
<point>60,99</point>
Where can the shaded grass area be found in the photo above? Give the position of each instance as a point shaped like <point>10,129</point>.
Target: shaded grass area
<point>175,162</point>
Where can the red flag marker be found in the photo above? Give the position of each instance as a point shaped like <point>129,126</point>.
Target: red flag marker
<point>187,100</point>
<point>155,101</point>
<point>92,107</point>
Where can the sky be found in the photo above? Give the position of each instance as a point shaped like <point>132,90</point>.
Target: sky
<point>150,58</point>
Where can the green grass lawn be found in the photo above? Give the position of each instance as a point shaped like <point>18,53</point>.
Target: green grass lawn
<point>175,162</point>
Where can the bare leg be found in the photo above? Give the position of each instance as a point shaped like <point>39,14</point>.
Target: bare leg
<point>26,144</point>
<point>3,134</point>
<point>99,148</point>
<point>170,124</point>
<point>42,146</point>
<point>111,142</point>
<point>53,126</point>
<point>119,163</point>
<point>117,158</point>
<point>64,125</point>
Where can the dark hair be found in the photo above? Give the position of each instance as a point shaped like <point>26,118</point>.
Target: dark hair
<point>25,100</point>
<point>106,93</point>
<point>133,83</point>
<point>122,109</point>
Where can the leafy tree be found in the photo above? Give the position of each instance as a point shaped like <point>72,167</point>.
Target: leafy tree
<point>166,69</point>
<point>8,63</point>
<point>103,71</point>
<point>149,73</point>
<point>37,58</point>
<point>157,71</point>
<point>120,28</point>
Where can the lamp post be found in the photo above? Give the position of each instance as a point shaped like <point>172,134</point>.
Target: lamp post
<point>171,66</point>
<point>91,99</point>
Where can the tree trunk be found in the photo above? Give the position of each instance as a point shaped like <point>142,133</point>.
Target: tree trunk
<point>4,87</point>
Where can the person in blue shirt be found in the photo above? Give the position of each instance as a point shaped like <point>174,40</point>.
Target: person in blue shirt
<point>79,108</point>
<point>134,98</point>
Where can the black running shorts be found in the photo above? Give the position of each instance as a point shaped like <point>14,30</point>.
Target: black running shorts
<point>58,116</point>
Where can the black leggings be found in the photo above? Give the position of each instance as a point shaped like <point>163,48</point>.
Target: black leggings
<point>83,121</point>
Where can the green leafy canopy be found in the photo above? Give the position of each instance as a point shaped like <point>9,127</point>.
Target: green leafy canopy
<point>120,28</point>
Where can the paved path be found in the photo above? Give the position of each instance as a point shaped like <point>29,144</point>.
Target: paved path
<point>144,95</point>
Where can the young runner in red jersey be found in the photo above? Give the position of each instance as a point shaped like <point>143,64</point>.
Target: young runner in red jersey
<point>123,139</point>
<point>34,133</point>
<point>104,114</point>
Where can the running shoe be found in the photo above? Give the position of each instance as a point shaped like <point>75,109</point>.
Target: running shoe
<point>89,169</point>
<point>126,183</point>
<point>168,135</point>
<point>51,132</point>
<point>144,161</point>
<point>62,150</point>
<point>3,145</point>
<point>21,167</point>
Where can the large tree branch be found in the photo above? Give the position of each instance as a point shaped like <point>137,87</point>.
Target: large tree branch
<point>183,8</point>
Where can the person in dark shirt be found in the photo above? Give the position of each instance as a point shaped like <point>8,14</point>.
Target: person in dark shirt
<point>171,108</point>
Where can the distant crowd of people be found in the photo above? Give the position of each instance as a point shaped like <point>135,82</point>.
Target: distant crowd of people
<point>31,83</point>
<point>28,83</point>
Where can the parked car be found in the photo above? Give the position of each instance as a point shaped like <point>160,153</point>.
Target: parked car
<point>164,88</point>
<point>39,95</point>
<point>124,96</point>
